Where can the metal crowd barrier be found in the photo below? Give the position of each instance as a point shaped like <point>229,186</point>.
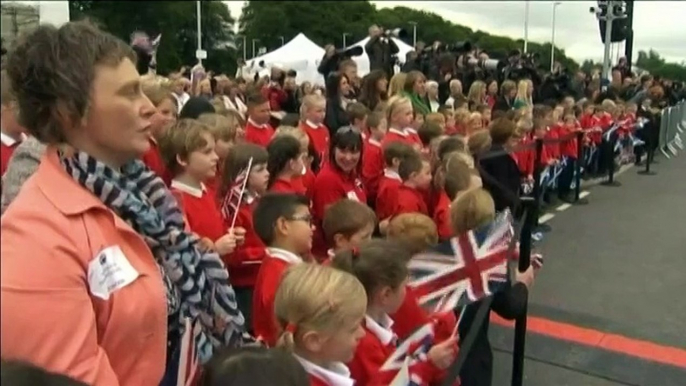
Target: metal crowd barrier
<point>672,125</point>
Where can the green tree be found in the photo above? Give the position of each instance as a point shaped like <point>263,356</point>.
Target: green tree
<point>176,21</point>
<point>656,65</point>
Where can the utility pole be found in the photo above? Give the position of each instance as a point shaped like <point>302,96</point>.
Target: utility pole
<point>526,27</point>
<point>609,18</point>
<point>629,44</point>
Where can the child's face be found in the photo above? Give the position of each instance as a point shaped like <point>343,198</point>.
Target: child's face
<point>540,132</point>
<point>260,113</point>
<point>222,148</point>
<point>342,242</point>
<point>402,117</point>
<point>347,160</point>
<point>487,114</point>
<point>361,124</point>
<point>315,114</point>
<point>298,230</point>
<point>340,345</point>
<point>422,179</point>
<point>418,121</point>
<point>557,113</point>
<point>202,163</point>
<point>598,112</point>
<point>570,122</point>
<point>390,299</point>
<point>258,178</point>
<point>589,110</point>
<point>450,120</point>
<point>379,131</point>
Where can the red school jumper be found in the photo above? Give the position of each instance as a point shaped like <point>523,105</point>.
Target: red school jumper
<point>200,208</point>
<point>404,136</point>
<point>409,200</point>
<point>331,185</point>
<point>275,263</point>
<point>319,138</point>
<point>441,216</point>
<point>153,160</point>
<point>388,191</point>
<point>372,167</point>
<point>258,134</point>
<point>377,345</point>
<point>291,185</point>
<point>244,263</point>
<point>7,146</point>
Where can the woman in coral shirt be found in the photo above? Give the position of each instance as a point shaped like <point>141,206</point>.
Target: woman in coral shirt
<point>94,250</point>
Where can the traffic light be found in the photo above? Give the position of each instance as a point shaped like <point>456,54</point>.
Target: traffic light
<point>620,27</point>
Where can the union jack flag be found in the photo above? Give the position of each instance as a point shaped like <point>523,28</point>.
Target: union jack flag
<point>408,353</point>
<point>234,195</point>
<point>476,268</point>
<point>189,365</point>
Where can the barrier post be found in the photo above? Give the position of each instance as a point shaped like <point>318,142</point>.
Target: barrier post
<point>610,147</point>
<point>577,169</point>
<point>530,205</point>
<point>538,169</point>
<point>650,153</point>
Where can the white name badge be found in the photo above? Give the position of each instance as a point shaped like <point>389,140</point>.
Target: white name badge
<point>110,271</point>
<point>352,195</point>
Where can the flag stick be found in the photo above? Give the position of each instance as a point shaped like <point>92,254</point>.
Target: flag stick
<point>240,197</point>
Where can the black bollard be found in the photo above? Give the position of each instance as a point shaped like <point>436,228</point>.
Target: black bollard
<point>650,153</point>
<point>577,167</point>
<point>610,154</point>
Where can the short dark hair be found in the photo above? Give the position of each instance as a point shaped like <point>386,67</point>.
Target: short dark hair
<point>270,208</point>
<point>374,119</point>
<point>410,164</point>
<point>396,150</point>
<point>51,71</point>
<point>502,130</point>
<point>428,131</point>
<point>355,111</point>
<point>255,98</point>
<point>346,217</point>
<point>281,149</point>
<point>24,374</point>
<point>449,145</point>
<point>254,365</point>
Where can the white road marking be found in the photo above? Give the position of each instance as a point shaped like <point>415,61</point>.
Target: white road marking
<point>584,194</point>
<point>563,207</point>
<point>546,217</point>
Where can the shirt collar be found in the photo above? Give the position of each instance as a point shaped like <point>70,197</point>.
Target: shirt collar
<point>410,130</point>
<point>381,330</point>
<point>192,190</point>
<point>311,125</point>
<point>282,254</point>
<point>253,123</point>
<point>374,142</point>
<point>388,173</point>
<point>9,141</point>
<point>402,133</point>
<point>337,375</point>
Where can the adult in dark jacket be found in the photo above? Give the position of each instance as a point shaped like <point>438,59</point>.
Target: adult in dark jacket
<point>379,49</point>
<point>508,90</point>
<point>329,62</point>
<point>337,86</point>
<point>499,171</point>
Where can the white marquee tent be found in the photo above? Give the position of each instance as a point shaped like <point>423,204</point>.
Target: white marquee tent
<point>299,54</point>
<point>363,60</point>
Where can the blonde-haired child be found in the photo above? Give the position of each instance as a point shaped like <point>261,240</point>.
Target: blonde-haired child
<point>474,123</point>
<point>312,112</point>
<point>224,129</point>
<point>400,120</point>
<point>397,84</point>
<point>319,310</point>
<point>381,267</point>
<point>462,116</point>
<point>306,179</point>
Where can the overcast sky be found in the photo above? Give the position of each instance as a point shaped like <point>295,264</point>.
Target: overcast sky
<point>660,25</point>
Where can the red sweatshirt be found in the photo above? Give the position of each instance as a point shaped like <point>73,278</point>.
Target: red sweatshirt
<point>258,134</point>
<point>375,348</point>
<point>409,200</point>
<point>292,185</point>
<point>200,208</point>
<point>153,160</point>
<point>275,263</point>
<point>244,263</point>
<point>388,190</point>
<point>372,167</point>
<point>319,138</point>
<point>441,216</point>
<point>404,136</point>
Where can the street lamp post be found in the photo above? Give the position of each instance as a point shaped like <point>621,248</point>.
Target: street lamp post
<point>283,40</point>
<point>253,46</point>
<point>199,17</point>
<point>552,44</point>
<point>414,33</point>
<point>526,27</point>
<point>345,43</point>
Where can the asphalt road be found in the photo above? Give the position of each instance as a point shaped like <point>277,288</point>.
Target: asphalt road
<point>618,266</point>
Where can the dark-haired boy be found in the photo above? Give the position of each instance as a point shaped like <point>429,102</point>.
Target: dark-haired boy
<point>284,223</point>
<point>346,224</point>
<point>257,129</point>
<point>390,182</point>
<point>416,176</point>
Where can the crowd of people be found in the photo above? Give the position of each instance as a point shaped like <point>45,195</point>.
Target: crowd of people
<point>274,219</point>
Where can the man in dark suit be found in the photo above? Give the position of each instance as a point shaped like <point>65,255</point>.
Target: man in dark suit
<point>380,48</point>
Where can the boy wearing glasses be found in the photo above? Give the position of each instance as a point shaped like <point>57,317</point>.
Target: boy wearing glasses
<point>284,223</point>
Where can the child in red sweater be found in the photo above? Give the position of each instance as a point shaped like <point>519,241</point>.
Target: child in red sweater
<point>357,116</point>
<point>454,175</point>
<point>224,129</point>
<point>394,153</point>
<point>416,176</point>
<point>187,149</point>
<point>166,114</point>
<point>319,310</point>
<point>258,130</point>
<point>286,164</point>
<point>11,133</point>
<point>312,113</point>
<point>346,224</point>
<point>400,121</point>
<point>381,267</point>
<point>373,159</point>
<point>245,262</point>
<point>283,223</point>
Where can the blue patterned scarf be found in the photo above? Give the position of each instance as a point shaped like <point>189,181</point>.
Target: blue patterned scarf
<point>197,282</point>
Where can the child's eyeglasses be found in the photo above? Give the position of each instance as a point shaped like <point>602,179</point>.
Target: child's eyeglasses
<point>305,218</point>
